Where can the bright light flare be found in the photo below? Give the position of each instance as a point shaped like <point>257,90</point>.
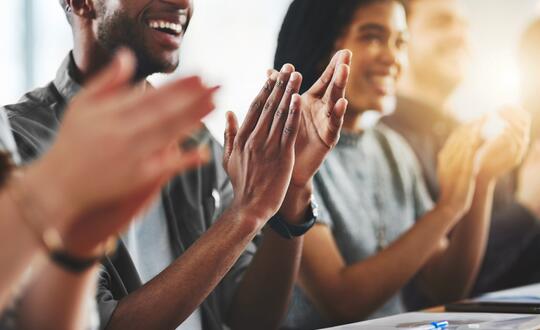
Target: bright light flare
<point>493,127</point>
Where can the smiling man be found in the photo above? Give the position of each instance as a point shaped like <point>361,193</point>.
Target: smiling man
<point>188,261</point>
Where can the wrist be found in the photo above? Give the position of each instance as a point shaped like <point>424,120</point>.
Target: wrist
<point>448,213</point>
<point>249,218</point>
<point>485,179</point>
<point>48,196</point>
<point>296,202</point>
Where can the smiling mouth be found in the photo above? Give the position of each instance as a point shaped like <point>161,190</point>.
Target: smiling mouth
<point>174,29</point>
<point>383,84</point>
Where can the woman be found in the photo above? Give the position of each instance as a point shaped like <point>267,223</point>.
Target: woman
<point>378,228</point>
<point>68,213</point>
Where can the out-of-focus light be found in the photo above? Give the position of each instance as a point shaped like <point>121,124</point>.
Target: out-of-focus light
<point>493,127</point>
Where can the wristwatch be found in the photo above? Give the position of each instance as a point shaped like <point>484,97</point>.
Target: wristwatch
<point>288,231</point>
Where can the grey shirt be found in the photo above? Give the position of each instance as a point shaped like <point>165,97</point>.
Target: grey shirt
<point>370,190</point>
<point>147,241</point>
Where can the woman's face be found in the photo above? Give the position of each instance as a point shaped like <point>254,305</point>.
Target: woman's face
<point>378,39</point>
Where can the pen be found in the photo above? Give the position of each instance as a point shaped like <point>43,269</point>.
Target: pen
<point>434,326</point>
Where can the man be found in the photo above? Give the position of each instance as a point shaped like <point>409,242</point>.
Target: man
<point>183,264</point>
<point>438,56</point>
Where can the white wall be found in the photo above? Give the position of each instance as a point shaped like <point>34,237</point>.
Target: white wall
<point>232,43</point>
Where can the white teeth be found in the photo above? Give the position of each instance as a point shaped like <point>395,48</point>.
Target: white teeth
<point>183,19</point>
<point>159,24</point>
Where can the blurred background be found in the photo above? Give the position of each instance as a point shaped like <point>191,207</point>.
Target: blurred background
<point>232,43</point>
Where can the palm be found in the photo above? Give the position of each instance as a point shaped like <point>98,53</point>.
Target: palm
<point>315,139</point>
<point>323,108</point>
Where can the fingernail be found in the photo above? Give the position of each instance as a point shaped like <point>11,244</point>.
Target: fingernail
<point>287,68</point>
<point>294,76</point>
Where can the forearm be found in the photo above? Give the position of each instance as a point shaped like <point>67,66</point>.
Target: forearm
<point>172,296</point>
<point>23,247</point>
<point>362,288</point>
<point>276,265</point>
<point>451,275</point>
<point>57,299</point>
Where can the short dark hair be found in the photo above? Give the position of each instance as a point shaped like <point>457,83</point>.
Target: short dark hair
<point>309,33</point>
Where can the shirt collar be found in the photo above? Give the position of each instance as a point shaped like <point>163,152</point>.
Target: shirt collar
<point>65,82</point>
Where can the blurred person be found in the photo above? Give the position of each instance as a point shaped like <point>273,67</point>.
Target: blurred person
<point>188,262</point>
<point>70,216</point>
<point>378,227</point>
<point>438,61</point>
<point>528,186</point>
<point>529,52</point>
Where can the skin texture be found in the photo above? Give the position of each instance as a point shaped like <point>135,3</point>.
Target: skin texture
<point>86,220</point>
<point>446,245</point>
<point>167,300</point>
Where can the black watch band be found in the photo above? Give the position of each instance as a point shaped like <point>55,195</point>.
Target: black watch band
<point>73,264</point>
<point>288,231</point>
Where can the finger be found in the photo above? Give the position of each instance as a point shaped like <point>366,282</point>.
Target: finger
<point>320,86</point>
<point>180,114</point>
<point>255,109</point>
<point>172,160</point>
<point>151,104</point>
<point>231,129</point>
<point>261,131</point>
<point>337,116</point>
<point>337,88</point>
<point>292,126</point>
<point>271,72</point>
<point>180,162</point>
<point>117,74</point>
<point>171,122</point>
<point>280,116</point>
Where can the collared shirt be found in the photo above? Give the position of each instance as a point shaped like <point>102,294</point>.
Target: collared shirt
<point>370,192</point>
<point>513,227</point>
<point>191,201</point>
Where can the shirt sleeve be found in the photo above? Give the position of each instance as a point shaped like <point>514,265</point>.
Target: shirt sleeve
<point>7,143</point>
<point>106,304</point>
<point>320,195</point>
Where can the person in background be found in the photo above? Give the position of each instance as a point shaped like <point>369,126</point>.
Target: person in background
<point>188,261</point>
<point>438,56</point>
<point>528,190</point>
<point>378,227</point>
<point>68,214</point>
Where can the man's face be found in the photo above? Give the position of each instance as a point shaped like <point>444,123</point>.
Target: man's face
<point>153,29</point>
<point>438,46</point>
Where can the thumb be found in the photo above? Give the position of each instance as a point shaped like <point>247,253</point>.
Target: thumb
<point>231,129</point>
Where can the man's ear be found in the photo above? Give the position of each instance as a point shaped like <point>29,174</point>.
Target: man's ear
<point>82,8</point>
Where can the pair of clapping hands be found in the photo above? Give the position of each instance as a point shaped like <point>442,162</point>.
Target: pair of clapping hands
<point>480,152</point>
<point>118,146</point>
